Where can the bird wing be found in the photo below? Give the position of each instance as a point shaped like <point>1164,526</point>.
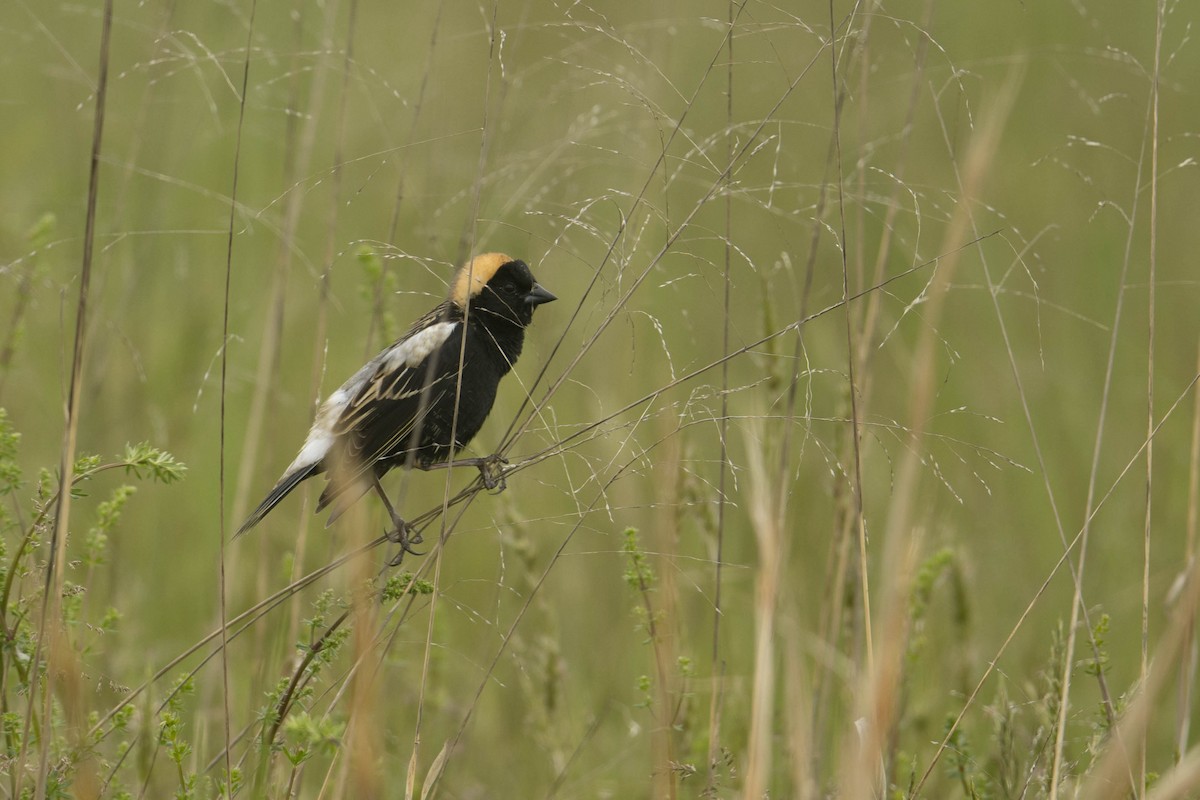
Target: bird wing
<point>386,402</point>
<point>373,413</point>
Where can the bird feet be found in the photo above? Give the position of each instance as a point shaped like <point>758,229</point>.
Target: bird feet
<point>491,470</point>
<point>404,535</point>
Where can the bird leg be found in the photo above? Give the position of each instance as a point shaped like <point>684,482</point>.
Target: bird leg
<point>403,533</point>
<point>491,469</point>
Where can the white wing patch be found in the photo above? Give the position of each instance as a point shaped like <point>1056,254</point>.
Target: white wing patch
<point>320,436</point>
<point>407,353</point>
<point>413,350</point>
<point>315,447</point>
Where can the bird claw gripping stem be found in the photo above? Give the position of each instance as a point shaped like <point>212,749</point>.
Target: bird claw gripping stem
<point>491,470</point>
<point>406,536</point>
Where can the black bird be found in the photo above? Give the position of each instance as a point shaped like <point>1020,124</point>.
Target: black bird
<point>398,410</point>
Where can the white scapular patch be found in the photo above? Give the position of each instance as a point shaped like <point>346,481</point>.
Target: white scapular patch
<point>413,350</point>
<point>404,354</point>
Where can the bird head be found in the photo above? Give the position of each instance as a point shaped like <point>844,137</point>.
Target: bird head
<point>500,287</point>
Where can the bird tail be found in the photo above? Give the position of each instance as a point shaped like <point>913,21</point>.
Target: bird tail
<point>281,490</point>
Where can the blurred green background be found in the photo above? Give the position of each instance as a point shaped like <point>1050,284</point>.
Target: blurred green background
<point>591,140</point>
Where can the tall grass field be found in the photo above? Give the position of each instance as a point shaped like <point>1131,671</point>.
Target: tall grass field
<point>858,458</point>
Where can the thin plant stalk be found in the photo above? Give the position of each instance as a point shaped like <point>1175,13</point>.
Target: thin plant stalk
<point>1077,606</point>
<point>1187,671</point>
<point>1108,778</point>
<point>768,517</point>
<point>1160,12</point>
<point>60,657</point>
<point>716,669</point>
<point>221,589</point>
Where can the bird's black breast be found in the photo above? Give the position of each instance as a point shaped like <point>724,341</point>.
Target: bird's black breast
<point>485,359</point>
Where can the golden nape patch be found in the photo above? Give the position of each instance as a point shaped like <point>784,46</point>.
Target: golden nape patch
<point>474,275</point>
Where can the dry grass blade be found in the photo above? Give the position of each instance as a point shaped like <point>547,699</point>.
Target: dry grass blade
<point>1187,672</point>
<point>877,693</point>
<point>1109,778</point>
<point>221,592</point>
<point>60,659</point>
<point>767,515</point>
<point>1180,782</point>
<point>716,669</point>
<point>365,769</point>
<point>1151,296</point>
<point>856,487</point>
<point>435,771</point>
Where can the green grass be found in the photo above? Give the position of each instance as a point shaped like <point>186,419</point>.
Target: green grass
<point>991,190</point>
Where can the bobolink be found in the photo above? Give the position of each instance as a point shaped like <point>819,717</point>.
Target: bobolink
<point>398,410</point>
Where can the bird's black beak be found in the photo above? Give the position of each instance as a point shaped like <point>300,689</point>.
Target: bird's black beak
<point>537,295</point>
